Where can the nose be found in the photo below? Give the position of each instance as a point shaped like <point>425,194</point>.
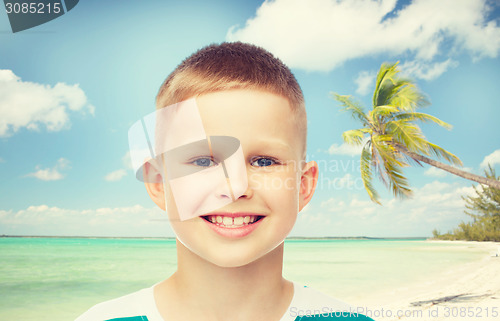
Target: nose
<point>238,181</point>
<point>226,191</point>
<point>235,171</point>
<point>247,194</point>
<point>223,190</point>
<point>235,185</point>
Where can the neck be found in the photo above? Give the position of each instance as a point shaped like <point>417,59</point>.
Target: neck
<point>219,293</point>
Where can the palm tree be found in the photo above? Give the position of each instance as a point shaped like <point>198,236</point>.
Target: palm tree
<point>391,140</point>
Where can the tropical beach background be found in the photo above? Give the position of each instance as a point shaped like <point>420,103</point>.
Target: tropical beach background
<point>71,88</point>
<point>59,278</point>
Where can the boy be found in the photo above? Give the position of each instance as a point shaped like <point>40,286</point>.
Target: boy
<point>226,160</point>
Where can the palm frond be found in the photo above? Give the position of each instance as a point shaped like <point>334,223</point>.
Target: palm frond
<point>387,152</point>
<point>406,96</point>
<point>366,173</point>
<point>373,121</point>
<point>441,152</point>
<point>398,182</point>
<point>354,136</point>
<point>376,164</point>
<point>416,116</point>
<point>391,167</point>
<point>384,110</point>
<point>393,90</point>
<point>407,134</point>
<point>357,111</point>
<point>387,73</point>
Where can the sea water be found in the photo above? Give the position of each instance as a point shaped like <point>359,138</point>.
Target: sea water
<point>59,278</point>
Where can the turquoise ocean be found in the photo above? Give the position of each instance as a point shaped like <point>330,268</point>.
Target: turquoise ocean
<point>59,278</point>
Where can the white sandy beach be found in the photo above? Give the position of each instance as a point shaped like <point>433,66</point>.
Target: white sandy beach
<point>470,291</point>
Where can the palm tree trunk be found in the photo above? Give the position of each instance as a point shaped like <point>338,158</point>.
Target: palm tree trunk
<point>453,170</point>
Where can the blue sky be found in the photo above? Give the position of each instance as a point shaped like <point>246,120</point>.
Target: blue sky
<point>71,88</point>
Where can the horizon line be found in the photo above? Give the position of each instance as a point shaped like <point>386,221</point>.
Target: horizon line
<point>173,238</point>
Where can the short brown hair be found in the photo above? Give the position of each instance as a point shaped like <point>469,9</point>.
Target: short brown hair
<point>233,65</point>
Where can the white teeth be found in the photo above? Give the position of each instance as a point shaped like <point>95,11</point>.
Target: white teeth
<point>227,221</point>
<point>238,220</point>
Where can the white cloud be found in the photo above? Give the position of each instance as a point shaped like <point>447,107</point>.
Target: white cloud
<point>31,105</point>
<point>365,82</point>
<point>425,70</point>
<point>492,159</point>
<point>345,149</point>
<point>434,172</point>
<point>51,174</point>
<point>121,221</point>
<point>115,176</point>
<point>323,34</point>
<point>414,69</point>
<point>2,160</point>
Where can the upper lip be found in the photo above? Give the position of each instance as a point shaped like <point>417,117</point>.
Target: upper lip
<point>234,214</point>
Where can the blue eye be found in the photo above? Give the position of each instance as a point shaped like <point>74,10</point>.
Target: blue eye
<point>263,162</point>
<point>203,162</point>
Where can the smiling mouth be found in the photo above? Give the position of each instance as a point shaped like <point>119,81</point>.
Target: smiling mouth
<point>232,222</point>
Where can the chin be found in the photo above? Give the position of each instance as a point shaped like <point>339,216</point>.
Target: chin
<point>237,257</point>
<point>232,259</point>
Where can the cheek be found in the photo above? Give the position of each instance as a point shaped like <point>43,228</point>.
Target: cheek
<point>280,193</point>
<point>278,187</point>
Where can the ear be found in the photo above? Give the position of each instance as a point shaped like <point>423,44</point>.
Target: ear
<point>154,183</point>
<point>308,182</point>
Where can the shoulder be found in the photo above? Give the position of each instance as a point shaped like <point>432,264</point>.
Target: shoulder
<point>135,306</point>
<point>310,304</point>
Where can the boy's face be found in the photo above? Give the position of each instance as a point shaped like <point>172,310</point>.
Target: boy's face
<point>279,183</point>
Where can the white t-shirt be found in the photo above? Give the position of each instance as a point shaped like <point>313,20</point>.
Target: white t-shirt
<point>141,306</point>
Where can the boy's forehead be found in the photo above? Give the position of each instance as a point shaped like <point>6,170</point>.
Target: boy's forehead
<point>257,117</point>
